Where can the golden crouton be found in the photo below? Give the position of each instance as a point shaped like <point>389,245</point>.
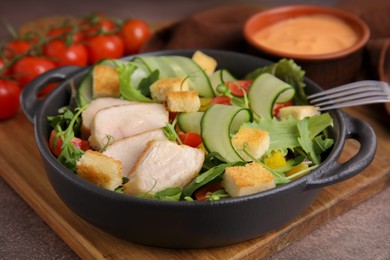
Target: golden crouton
<point>162,87</point>
<point>207,63</point>
<point>248,179</point>
<point>183,101</point>
<point>100,169</point>
<point>298,112</point>
<point>105,82</point>
<point>254,141</point>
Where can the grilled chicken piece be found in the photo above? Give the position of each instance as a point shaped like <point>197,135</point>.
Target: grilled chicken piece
<point>129,149</point>
<point>163,164</point>
<point>93,107</point>
<point>117,122</point>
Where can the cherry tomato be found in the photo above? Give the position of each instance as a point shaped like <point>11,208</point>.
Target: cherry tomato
<point>56,147</point>
<point>96,24</point>
<point>65,32</point>
<point>9,98</point>
<point>28,67</point>
<point>190,139</point>
<point>278,106</point>
<point>75,54</point>
<point>104,46</point>
<point>238,87</point>
<point>223,100</point>
<point>2,65</point>
<point>204,192</point>
<point>14,47</point>
<point>135,33</point>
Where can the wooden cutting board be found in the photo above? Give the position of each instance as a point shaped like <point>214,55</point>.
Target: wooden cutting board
<point>21,167</point>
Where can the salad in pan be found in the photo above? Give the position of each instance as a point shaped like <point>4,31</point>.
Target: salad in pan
<point>181,128</point>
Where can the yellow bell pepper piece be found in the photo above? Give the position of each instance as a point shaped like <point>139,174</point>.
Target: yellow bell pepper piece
<point>275,160</point>
<point>295,169</point>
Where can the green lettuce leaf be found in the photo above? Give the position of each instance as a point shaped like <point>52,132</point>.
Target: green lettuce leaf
<point>129,92</point>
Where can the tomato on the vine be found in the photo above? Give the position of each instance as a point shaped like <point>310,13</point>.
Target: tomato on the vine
<point>95,24</point>
<point>29,67</point>
<point>14,47</point>
<point>135,32</point>
<point>75,54</point>
<point>104,46</point>
<point>4,72</point>
<point>9,98</point>
<point>64,32</point>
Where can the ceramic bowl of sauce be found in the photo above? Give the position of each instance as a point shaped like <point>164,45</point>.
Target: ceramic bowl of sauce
<point>326,42</point>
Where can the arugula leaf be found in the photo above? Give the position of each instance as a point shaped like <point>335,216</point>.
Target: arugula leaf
<point>288,71</point>
<point>206,177</point>
<point>69,153</point>
<point>129,92</point>
<point>306,142</point>
<point>169,194</point>
<point>321,143</point>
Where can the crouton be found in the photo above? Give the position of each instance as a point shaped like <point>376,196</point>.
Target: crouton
<point>100,169</point>
<point>207,63</point>
<point>248,179</point>
<point>183,101</point>
<point>298,112</point>
<point>255,141</point>
<point>160,88</point>
<point>163,164</point>
<point>105,82</point>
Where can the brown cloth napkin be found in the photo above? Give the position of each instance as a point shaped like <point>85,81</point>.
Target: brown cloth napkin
<point>221,28</point>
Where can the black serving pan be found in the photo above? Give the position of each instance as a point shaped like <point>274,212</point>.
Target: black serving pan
<point>191,224</point>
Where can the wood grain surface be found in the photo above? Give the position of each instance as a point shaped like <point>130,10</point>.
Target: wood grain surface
<point>22,169</point>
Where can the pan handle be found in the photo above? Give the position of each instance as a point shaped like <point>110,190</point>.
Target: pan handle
<point>365,135</point>
<point>29,100</point>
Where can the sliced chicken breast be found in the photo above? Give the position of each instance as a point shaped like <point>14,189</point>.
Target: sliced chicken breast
<point>129,149</point>
<point>163,164</point>
<point>117,122</point>
<point>93,107</point>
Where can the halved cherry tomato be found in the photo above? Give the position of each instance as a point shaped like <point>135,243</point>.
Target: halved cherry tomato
<point>56,147</point>
<point>190,139</point>
<point>223,100</point>
<point>29,67</point>
<point>9,98</point>
<point>75,54</point>
<point>204,192</point>
<point>278,106</point>
<point>135,32</point>
<point>238,87</point>
<point>105,46</point>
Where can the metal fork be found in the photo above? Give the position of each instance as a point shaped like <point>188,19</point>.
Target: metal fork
<point>352,94</point>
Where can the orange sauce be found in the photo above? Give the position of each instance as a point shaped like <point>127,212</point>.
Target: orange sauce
<point>311,34</point>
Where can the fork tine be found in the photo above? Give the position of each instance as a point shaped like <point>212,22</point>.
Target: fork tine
<point>367,89</point>
<point>358,96</point>
<point>354,103</point>
<point>349,86</point>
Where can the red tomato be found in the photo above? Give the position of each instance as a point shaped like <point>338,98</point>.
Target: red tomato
<point>64,32</point>
<point>135,33</point>
<point>2,65</point>
<point>96,24</point>
<point>28,67</point>
<point>104,46</point>
<point>190,139</point>
<point>17,47</point>
<point>9,98</point>
<point>223,100</point>
<point>238,87</point>
<point>75,54</point>
<point>278,106</point>
<point>204,192</point>
<point>56,147</point>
